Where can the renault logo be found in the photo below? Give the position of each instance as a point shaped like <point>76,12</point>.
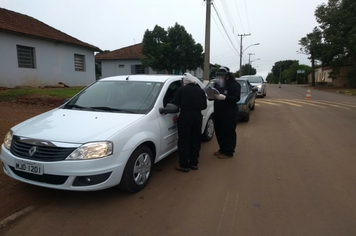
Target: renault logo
<point>32,151</point>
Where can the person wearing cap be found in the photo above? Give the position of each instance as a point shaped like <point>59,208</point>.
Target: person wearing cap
<point>226,112</point>
<point>192,100</point>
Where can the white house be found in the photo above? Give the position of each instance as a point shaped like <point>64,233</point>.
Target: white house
<point>35,54</point>
<point>127,61</point>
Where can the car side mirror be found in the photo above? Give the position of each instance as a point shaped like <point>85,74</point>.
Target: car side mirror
<point>254,89</point>
<point>169,108</point>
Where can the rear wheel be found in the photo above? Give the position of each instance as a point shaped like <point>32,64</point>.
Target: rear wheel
<point>209,130</point>
<point>137,171</point>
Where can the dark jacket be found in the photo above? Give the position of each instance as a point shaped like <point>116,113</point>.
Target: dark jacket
<point>231,90</point>
<point>190,98</point>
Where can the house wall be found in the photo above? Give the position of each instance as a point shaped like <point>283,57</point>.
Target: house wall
<point>340,81</point>
<point>123,67</point>
<point>120,67</point>
<point>54,63</point>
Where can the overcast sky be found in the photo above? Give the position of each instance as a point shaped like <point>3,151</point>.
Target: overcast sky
<point>277,25</point>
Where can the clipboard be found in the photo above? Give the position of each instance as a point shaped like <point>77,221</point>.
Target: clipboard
<point>210,92</point>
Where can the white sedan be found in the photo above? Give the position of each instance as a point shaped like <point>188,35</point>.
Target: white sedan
<point>108,134</point>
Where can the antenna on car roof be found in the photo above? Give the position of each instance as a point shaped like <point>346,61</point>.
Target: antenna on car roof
<point>127,78</point>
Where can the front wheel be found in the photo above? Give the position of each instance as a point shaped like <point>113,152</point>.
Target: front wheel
<point>209,130</point>
<point>137,170</point>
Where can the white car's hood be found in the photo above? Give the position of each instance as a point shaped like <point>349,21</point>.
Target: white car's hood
<point>74,126</point>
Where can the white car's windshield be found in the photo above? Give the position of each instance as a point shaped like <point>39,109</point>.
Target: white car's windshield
<point>117,96</point>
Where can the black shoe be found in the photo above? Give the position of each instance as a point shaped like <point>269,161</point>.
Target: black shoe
<point>179,168</point>
<point>193,167</point>
<point>223,156</point>
<point>217,153</point>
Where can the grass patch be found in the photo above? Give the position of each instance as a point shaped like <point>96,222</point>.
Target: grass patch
<point>348,92</point>
<point>16,93</point>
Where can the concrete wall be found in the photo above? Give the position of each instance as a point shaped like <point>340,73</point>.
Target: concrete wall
<point>341,80</point>
<point>54,63</point>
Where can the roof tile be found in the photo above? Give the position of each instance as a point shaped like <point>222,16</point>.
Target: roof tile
<point>130,52</point>
<point>22,24</point>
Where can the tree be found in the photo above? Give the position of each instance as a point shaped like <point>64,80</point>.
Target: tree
<point>213,70</point>
<point>291,73</point>
<point>247,69</point>
<point>312,45</point>
<point>302,78</point>
<point>337,19</point>
<point>170,50</point>
<point>270,78</point>
<point>279,67</point>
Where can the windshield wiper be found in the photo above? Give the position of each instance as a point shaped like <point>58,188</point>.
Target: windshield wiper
<point>111,109</point>
<point>75,106</point>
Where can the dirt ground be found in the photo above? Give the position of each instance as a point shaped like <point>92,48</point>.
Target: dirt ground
<point>14,195</point>
<point>12,113</point>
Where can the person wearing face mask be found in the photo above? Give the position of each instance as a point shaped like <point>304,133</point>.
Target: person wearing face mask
<point>226,112</point>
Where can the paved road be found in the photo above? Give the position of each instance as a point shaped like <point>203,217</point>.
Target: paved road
<point>293,174</point>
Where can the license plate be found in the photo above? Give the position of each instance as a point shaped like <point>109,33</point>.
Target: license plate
<point>29,167</point>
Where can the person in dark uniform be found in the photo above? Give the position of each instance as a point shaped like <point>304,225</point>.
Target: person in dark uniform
<point>192,100</point>
<point>226,112</point>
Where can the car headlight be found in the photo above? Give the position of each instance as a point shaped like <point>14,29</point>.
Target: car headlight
<point>242,107</point>
<point>91,151</point>
<point>259,86</point>
<point>8,140</point>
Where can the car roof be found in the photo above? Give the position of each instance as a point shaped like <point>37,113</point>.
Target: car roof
<point>248,76</point>
<point>146,78</point>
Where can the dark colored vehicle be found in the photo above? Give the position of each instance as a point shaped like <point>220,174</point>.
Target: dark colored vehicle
<point>247,98</point>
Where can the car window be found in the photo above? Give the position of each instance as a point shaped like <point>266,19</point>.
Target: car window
<point>117,96</point>
<point>254,79</point>
<point>244,85</point>
<point>168,97</point>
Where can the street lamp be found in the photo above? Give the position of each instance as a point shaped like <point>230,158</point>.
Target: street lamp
<point>249,63</point>
<point>243,51</point>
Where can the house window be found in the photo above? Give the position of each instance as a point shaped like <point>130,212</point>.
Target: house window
<point>121,66</point>
<point>138,69</point>
<point>26,56</point>
<point>79,62</point>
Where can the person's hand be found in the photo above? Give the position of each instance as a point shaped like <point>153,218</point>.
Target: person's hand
<point>219,96</point>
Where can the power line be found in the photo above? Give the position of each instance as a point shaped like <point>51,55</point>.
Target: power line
<point>230,19</point>
<point>238,13</point>
<point>223,26</point>
<point>222,34</point>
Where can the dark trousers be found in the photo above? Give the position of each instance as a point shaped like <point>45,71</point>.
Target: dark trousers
<point>225,131</point>
<point>189,137</point>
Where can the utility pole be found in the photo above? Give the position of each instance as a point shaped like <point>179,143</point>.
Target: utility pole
<point>249,59</point>
<point>241,35</point>
<point>207,41</point>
